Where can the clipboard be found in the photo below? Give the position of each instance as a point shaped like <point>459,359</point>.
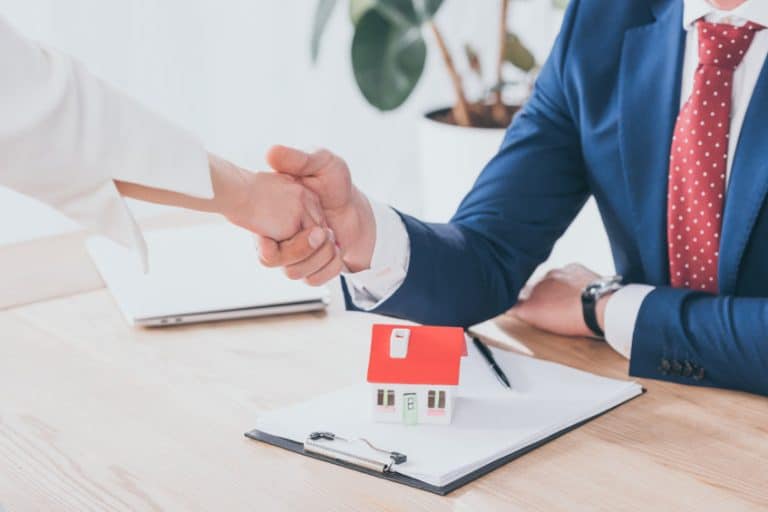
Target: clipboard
<point>340,456</point>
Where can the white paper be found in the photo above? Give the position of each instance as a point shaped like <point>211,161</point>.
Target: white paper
<point>489,421</point>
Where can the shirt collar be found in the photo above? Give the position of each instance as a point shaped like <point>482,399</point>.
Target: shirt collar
<point>751,10</point>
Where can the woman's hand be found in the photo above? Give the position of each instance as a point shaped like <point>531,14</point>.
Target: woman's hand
<point>266,203</point>
<point>287,216</point>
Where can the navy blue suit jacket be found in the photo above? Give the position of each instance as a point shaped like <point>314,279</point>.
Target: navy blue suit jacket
<point>600,123</point>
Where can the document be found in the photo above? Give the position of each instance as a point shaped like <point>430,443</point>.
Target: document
<point>489,423</point>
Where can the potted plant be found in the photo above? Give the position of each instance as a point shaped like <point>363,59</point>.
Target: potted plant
<point>389,53</point>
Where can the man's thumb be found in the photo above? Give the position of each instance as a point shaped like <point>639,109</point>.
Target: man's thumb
<point>287,160</point>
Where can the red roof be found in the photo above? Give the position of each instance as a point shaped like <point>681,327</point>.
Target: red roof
<point>433,357</point>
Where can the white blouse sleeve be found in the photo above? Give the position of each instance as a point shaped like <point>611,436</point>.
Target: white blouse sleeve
<point>65,136</point>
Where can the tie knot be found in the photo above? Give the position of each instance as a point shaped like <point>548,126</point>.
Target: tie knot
<point>724,45</point>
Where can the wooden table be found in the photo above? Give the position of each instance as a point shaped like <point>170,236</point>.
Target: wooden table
<point>95,415</point>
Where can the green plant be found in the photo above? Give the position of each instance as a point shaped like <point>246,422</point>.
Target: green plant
<point>389,53</point>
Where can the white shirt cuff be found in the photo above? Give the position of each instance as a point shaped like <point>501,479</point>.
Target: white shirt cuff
<point>389,263</point>
<point>621,316</point>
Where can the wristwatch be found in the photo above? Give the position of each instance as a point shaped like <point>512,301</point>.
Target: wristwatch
<point>591,294</point>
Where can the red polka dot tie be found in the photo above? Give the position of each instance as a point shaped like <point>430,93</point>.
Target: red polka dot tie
<point>699,155</point>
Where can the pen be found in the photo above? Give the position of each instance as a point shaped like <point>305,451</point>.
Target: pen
<point>488,356</point>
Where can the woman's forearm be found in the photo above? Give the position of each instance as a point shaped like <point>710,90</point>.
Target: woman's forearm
<point>265,203</point>
<point>229,190</point>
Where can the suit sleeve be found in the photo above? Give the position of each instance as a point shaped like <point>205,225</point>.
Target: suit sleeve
<point>65,136</point>
<point>473,268</point>
<point>693,338</point>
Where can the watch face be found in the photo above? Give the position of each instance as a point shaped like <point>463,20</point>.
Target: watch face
<point>590,292</point>
<point>599,287</point>
<point>604,281</point>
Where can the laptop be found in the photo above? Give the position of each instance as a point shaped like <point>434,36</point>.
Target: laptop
<point>199,274</point>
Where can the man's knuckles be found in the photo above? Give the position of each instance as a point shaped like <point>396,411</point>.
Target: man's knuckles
<point>321,159</point>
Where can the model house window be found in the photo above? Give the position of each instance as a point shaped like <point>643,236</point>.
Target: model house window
<point>385,397</point>
<point>435,399</point>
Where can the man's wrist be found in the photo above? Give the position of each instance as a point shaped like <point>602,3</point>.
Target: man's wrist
<point>359,247</point>
<point>592,303</point>
<point>602,304</point>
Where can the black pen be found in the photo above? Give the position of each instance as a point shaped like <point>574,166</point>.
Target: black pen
<point>488,356</point>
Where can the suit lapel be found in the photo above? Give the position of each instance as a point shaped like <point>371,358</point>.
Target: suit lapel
<point>649,101</point>
<point>747,186</point>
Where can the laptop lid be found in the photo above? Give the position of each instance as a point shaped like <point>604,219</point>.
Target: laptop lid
<point>195,270</point>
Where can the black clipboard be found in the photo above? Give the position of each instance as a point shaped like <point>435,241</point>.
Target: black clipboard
<point>298,447</point>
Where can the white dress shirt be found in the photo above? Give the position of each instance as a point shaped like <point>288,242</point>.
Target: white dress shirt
<point>392,251</point>
<point>66,136</point>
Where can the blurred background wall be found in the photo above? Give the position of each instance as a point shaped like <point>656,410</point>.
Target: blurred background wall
<point>238,73</point>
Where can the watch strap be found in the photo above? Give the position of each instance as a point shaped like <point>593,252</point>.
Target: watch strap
<point>591,294</point>
<point>589,310</point>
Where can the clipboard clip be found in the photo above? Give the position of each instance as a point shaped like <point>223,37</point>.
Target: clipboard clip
<point>326,444</point>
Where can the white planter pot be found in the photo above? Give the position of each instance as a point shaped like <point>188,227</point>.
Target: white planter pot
<point>451,159</point>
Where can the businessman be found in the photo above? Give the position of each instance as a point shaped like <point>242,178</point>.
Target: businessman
<point>658,109</point>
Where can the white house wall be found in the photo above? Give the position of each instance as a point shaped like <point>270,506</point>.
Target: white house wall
<point>394,414</point>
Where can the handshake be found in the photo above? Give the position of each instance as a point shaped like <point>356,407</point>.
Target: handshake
<point>308,216</point>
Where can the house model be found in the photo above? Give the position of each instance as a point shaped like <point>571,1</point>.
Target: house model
<point>413,373</point>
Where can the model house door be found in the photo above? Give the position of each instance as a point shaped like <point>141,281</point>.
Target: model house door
<point>410,409</point>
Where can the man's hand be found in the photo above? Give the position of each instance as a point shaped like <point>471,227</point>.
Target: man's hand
<point>554,303</point>
<point>346,210</point>
<point>311,255</point>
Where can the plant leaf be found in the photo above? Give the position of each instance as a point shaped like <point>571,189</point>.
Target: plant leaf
<point>399,12</point>
<point>517,54</point>
<point>388,58</point>
<point>426,9</point>
<point>323,12</point>
<point>359,7</point>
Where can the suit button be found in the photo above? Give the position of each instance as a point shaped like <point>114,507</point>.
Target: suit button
<point>677,368</point>
<point>687,369</point>
<point>699,375</point>
<point>665,366</point>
